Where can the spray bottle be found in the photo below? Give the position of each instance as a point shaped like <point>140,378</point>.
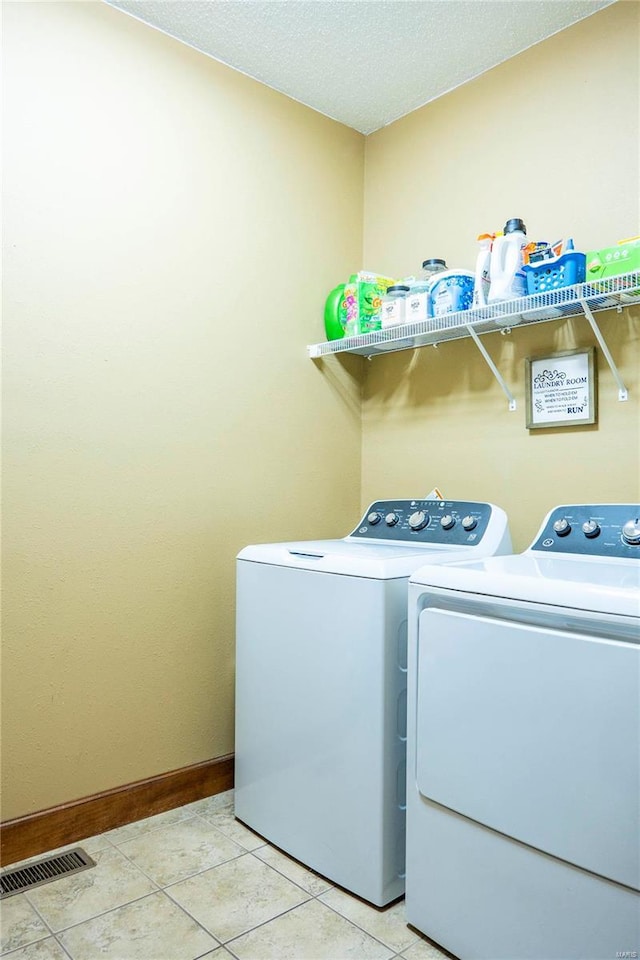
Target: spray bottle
<point>483,261</point>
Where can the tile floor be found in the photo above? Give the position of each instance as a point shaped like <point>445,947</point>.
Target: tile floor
<point>193,882</point>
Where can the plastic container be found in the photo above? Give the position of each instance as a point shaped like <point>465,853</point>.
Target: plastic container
<point>429,270</point>
<point>354,307</point>
<point>483,263</point>
<point>564,271</point>
<point>451,291</point>
<point>506,271</point>
<point>431,267</point>
<point>393,305</point>
<point>418,302</point>
<point>333,325</point>
<point>416,306</point>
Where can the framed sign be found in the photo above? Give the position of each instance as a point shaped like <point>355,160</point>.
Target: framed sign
<point>561,389</point>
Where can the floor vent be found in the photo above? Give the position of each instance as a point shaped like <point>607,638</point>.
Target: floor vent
<point>44,871</point>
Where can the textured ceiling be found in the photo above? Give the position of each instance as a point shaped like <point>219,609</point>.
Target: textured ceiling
<point>362,62</point>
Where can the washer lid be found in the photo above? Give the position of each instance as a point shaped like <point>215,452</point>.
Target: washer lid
<point>378,561</point>
<point>589,583</point>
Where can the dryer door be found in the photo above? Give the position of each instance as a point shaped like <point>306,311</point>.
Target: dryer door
<point>533,731</point>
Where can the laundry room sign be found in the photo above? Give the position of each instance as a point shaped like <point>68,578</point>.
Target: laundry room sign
<point>561,389</point>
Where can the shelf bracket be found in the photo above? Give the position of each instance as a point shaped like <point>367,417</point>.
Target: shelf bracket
<point>510,397</point>
<point>622,390</point>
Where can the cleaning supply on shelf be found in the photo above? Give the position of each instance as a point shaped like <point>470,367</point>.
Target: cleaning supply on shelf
<point>370,290</point>
<point>483,262</point>
<point>613,261</point>
<point>350,307</point>
<point>567,267</point>
<point>334,328</point>
<point>416,306</point>
<point>393,305</point>
<point>506,274</point>
<point>418,302</point>
<point>431,267</point>
<point>354,307</point>
<point>450,291</point>
<point>536,251</point>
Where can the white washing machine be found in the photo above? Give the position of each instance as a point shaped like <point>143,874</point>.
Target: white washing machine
<point>523,798</point>
<point>320,763</point>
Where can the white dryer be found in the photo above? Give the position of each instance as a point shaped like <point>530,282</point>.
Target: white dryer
<point>321,647</point>
<point>523,798</point>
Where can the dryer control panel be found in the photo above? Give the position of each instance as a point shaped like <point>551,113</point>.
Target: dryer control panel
<point>598,530</point>
<point>437,522</point>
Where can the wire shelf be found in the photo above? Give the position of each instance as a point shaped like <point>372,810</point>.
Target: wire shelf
<point>611,293</point>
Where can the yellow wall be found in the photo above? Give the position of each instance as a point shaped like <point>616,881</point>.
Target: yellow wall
<point>171,229</point>
<point>551,136</point>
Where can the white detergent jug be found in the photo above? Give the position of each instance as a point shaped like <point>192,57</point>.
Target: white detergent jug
<point>508,279</point>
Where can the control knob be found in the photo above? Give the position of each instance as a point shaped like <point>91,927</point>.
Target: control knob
<point>374,518</point>
<point>562,527</point>
<point>391,519</point>
<point>418,520</point>
<point>631,532</point>
<point>469,523</point>
<point>447,522</point>
<point>591,529</point>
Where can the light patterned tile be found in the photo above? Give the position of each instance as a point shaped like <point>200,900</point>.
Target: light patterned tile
<point>42,950</point>
<point>180,850</point>
<point>310,932</point>
<point>148,929</point>
<point>226,823</point>
<point>90,845</point>
<point>236,896</point>
<point>304,877</point>
<point>19,923</point>
<point>113,882</point>
<point>132,830</point>
<point>388,924</point>
<point>423,950</point>
<point>211,806</point>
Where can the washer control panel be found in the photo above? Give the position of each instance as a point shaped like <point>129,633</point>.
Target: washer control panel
<point>598,530</point>
<point>444,522</point>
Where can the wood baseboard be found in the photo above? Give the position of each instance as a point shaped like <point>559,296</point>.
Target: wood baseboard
<point>70,822</point>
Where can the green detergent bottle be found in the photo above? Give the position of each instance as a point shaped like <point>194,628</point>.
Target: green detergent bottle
<point>333,323</point>
<point>354,307</point>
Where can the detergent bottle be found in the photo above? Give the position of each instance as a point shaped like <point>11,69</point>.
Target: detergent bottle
<point>507,277</point>
<point>333,325</point>
<point>483,262</point>
<point>354,307</point>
